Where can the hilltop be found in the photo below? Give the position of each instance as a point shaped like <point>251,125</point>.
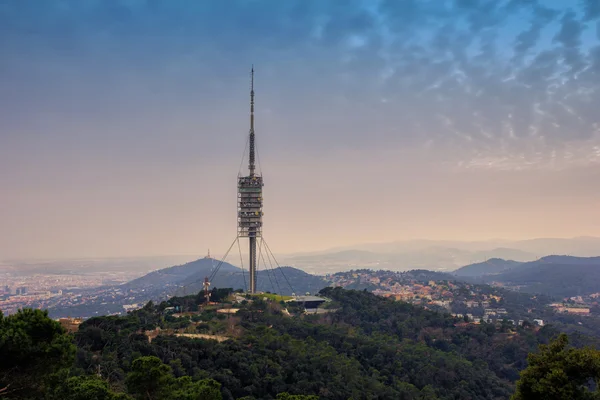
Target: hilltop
<point>189,277</point>
<point>177,274</point>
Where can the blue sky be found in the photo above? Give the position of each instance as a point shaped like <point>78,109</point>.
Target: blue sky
<point>122,122</point>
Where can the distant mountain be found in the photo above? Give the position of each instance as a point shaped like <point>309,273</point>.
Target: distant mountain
<point>579,246</point>
<point>285,281</point>
<point>186,279</point>
<point>433,258</point>
<point>439,255</point>
<point>562,276</point>
<point>405,246</point>
<point>426,275</point>
<point>570,260</point>
<point>189,278</point>
<point>504,253</point>
<point>180,273</point>
<point>518,250</point>
<point>490,267</point>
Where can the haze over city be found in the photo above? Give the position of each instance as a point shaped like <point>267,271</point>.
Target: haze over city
<point>122,124</point>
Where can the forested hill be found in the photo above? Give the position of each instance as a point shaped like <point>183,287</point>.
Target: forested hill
<point>370,348</point>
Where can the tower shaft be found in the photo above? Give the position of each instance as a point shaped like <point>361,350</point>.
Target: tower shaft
<point>252,252</point>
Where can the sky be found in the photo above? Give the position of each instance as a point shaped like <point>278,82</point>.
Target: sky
<point>123,122</point>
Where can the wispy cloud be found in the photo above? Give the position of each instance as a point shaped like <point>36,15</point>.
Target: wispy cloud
<point>92,88</point>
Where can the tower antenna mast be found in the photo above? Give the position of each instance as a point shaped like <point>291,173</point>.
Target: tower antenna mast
<point>250,197</point>
<point>251,165</point>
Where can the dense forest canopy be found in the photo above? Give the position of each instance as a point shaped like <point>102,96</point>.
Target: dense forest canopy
<point>367,347</point>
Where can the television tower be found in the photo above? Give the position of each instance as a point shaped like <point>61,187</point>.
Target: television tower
<point>250,197</point>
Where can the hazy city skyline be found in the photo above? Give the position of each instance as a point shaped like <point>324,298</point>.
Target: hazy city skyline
<point>122,124</point>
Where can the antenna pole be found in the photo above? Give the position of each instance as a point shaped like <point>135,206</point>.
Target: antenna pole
<point>252,240</point>
<point>251,165</point>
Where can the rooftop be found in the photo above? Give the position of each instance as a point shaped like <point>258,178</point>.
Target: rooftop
<point>306,298</point>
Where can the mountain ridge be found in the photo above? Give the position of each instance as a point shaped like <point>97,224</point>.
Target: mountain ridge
<point>178,273</point>
<point>442,255</point>
<point>554,275</point>
<point>190,276</point>
<point>590,244</point>
<point>488,267</point>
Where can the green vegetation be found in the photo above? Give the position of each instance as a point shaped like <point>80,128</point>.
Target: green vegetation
<point>32,349</point>
<point>87,387</point>
<point>370,348</point>
<point>272,296</point>
<point>151,379</point>
<point>558,372</point>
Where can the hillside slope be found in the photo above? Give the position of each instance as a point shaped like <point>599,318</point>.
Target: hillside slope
<point>179,273</point>
<point>562,276</point>
<point>371,348</point>
<point>172,280</point>
<point>285,281</point>
<point>489,267</point>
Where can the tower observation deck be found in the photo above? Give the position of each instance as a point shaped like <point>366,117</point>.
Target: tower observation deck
<point>250,198</point>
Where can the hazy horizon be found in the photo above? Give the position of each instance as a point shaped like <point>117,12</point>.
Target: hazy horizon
<point>494,243</point>
<point>122,124</point>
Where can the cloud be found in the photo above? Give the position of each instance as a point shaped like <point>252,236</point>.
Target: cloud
<point>591,9</point>
<point>569,36</point>
<point>528,38</point>
<point>483,74</point>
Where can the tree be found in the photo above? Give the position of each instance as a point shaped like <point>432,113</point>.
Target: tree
<point>32,348</point>
<point>287,396</point>
<point>558,372</point>
<point>149,306</point>
<point>205,389</point>
<point>150,379</point>
<point>220,294</point>
<point>84,388</point>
